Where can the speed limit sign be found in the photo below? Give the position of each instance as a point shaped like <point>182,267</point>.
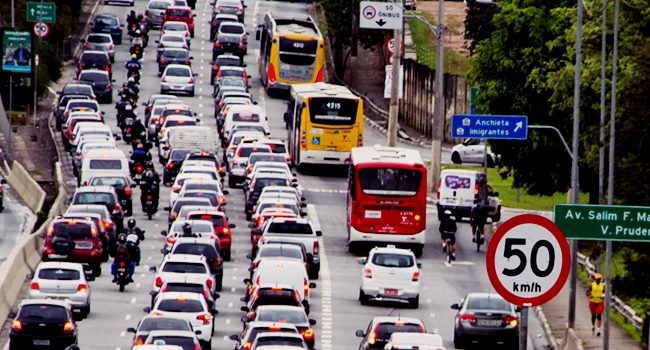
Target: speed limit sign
<point>528,260</point>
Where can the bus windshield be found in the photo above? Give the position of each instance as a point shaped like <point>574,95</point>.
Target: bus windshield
<point>333,111</point>
<point>298,52</point>
<point>389,181</point>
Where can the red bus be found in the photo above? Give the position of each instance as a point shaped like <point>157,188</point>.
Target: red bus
<point>387,198</point>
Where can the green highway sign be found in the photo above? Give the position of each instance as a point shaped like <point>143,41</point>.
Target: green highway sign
<point>41,12</point>
<point>603,222</point>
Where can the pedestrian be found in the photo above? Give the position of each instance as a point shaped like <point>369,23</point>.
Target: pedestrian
<point>595,293</point>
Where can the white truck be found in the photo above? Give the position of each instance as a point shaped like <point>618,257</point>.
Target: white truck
<point>200,138</point>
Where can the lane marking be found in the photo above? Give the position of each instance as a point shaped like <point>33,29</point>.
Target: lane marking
<point>122,333</point>
<point>128,317</point>
<point>230,304</point>
<point>227,321</point>
<point>133,300</point>
<point>326,285</point>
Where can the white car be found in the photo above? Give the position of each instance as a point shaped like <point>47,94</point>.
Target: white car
<point>185,265</point>
<point>178,183</point>
<point>178,28</point>
<point>391,274</point>
<point>192,307</point>
<point>177,78</point>
<point>58,280</point>
<point>473,151</point>
<point>208,184</point>
<point>245,114</point>
<point>211,170</point>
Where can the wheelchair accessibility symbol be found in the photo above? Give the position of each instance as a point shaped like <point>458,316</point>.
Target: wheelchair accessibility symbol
<point>315,140</point>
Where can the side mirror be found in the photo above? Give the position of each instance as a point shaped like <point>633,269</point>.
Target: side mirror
<point>242,299</point>
<point>312,285</point>
<point>247,281</point>
<point>198,332</point>
<point>245,319</point>
<point>11,315</point>
<point>131,330</point>
<point>496,194</point>
<point>163,233</point>
<point>232,225</point>
<point>303,199</point>
<point>196,74</point>
<point>312,322</point>
<point>455,306</point>
<point>90,278</point>
<point>153,269</point>
<point>225,192</point>
<point>362,261</point>
<point>194,15</point>
<point>303,205</point>
<point>294,184</point>
<point>249,256</point>
<point>419,265</point>
<point>214,312</point>
<point>157,42</point>
<point>244,308</point>
<point>234,337</point>
<point>191,57</point>
<point>319,233</point>
<point>359,333</point>
<point>167,209</point>
<point>146,309</point>
<point>303,214</point>
<point>153,293</point>
<point>144,104</point>
<point>244,65</point>
<point>29,276</point>
<point>83,41</point>
<point>517,308</point>
<point>257,35</point>
<point>164,251</point>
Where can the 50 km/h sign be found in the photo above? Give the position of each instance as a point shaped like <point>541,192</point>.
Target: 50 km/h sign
<point>528,260</point>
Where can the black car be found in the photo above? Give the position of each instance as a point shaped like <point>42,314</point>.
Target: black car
<point>224,61</point>
<point>44,323</point>
<point>174,163</point>
<point>272,295</point>
<point>485,317</point>
<point>59,118</point>
<point>100,81</point>
<point>108,24</point>
<point>153,322</point>
<point>173,56</point>
<point>122,186</point>
<point>381,327</point>
<point>93,60</point>
<point>216,21</point>
<point>228,43</point>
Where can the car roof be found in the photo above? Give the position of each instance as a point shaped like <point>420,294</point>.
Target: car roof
<point>171,333</point>
<point>207,211</point>
<point>390,249</point>
<point>60,265</point>
<point>87,189</point>
<point>394,319</point>
<point>260,324</point>
<point>55,302</point>
<point>186,295</point>
<point>296,220</point>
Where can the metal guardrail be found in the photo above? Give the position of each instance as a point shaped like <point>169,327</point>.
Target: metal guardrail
<point>628,313</point>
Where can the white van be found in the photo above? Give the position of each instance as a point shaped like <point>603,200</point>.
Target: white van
<point>457,190</point>
<point>409,341</point>
<point>245,114</point>
<point>284,272</point>
<point>104,162</point>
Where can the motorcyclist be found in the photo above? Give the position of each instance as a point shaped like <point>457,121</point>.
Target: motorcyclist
<point>133,85</point>
<point>144,29</point>
<point>131,228</point>
<point>128,113</point>
<point>478,217</point>
<point>131,19</point>
<point>133,243</point>
<point>120,107</point>
<point>187,230</point>
<point>150,185</point>
<point>133,66</point>
<point>122,256</point>
<point>137,129</point>
<point>448,230</point>
<point>140,155</point>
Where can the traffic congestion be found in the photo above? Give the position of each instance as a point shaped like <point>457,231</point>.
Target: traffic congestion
<point>227,197</point>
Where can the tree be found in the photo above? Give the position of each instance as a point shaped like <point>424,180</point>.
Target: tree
<point>478,23</point>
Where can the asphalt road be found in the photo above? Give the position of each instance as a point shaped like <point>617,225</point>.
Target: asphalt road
<point>334,300</point>
<point>15,219</point>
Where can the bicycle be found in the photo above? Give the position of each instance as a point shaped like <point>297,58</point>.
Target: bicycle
<point>449,248</point>
<point>477,237</point>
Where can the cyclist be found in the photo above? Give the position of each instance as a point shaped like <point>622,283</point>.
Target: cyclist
<point>478,217</point>
<point>448,231</point>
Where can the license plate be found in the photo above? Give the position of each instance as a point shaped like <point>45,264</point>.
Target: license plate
<point>83,245</point>
<point>57,256</point>
<point>390,291</point>
<point>138,176</point>
<point>177,87</point>
<point>123,202</point>
<point>331,148</point>
<point>41,342</point>
<point>107,29</point>
<point>489,323</point>
<point>149,202</point>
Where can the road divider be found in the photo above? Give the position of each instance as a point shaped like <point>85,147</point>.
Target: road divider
<point>26,187</point>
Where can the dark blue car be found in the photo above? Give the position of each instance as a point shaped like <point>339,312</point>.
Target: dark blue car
<point>108,24</point>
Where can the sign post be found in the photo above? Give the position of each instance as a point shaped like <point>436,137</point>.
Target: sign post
<point>381,15</point>
<point>528,262</point>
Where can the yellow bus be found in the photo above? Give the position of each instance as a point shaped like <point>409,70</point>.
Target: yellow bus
<point>324,123</point>
<point>292,51</point>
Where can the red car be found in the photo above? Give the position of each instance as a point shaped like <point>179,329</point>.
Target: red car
<point>181,14</point>
<point>74,240</point>
<point>221,227</point>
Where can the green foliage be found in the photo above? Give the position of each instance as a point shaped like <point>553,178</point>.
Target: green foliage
<point>425,47</point>
<point>478,23</point>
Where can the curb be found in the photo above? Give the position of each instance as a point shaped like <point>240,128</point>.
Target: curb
<point>507,209</point>
<point>548,333</point>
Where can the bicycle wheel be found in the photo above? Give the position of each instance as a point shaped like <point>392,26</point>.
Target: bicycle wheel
<point>477,237</point>
<point>449,252</point>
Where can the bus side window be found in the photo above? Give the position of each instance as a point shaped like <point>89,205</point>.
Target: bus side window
<point>288,115</point>
<point>352,183</point>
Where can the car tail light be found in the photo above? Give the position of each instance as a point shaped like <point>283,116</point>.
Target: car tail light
<point>162,61</point>
<point>221,199</point>
<point>372,338</point>
<point>111,47</point>
<point>197,346</point>
<point>239,9</point>
<point>360,142</point>
<point>467,318</point>
<point>319,77</point>
<point>107,68</point>
<point>107,224</point>
<point>159,282</point>
<point>257,281</point>
<point>316,248</point>
<point>87,46</point>
<point>217,45</point>
<point>127,190</point>
<point>247,346</point>
<point>206,294</point>
<point>81,66</point>
<point>68,327</point>
<point>215,68</point>
<point>367,273</point>
<point>439,184</point>
<point>187,62</point>
<point>241,47</point>
<point>271,75</point>
<point>82,288</point>
<point>217,261</point>
<point>17,326</point>
<point>191,81</point>
<point>306,288</point>
<point>288,157</point>
<point>250,168</point>
<point>244,37</point>
<point>185,47</point>
<point>219,8</point>
<point>171,240</point>
<point>226,230</point>
<point>170,166</point>
<point>209,283</point>
<point>307,333</point>
<point>510,320</point>
<point>160,45</point>
<point>34,286</point>
<point>108,86</point>
<point>138,341</point>
<point>416,276</point>
<point>175,189</point>
<point>175,214</point>
<point>476,190</point>
<point>204,317</point>
<point>117,208</point>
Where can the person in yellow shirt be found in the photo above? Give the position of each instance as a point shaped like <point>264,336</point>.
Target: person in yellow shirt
<point>596,293</point>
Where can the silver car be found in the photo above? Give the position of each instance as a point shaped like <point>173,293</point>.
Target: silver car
<point>100,42</point>
<point>62,280</point>
<point>178,78</point>
<point>155,11</point>
<point>171,40</point>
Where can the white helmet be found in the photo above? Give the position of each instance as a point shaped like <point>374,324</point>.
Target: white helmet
<point>128,108</point>
<point>131,80</point>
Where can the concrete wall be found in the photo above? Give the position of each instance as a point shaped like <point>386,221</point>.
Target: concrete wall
<point>26,187</point>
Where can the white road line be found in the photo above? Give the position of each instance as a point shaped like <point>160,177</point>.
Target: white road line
<point>128,317</point>
<point>326,285</point>
<point>230,304</point>
<point>122,333</point>
<point>133,300</point>
<point>233,289</point>
<point>261,98</point>
<point>227,321</point>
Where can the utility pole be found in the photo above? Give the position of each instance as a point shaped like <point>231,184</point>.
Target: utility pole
<point>13,10</point>
<point>34,136</point>
<point>438,113</point>
<point>393,110</point>
<point>575,190</point>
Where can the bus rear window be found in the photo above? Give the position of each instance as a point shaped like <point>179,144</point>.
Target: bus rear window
<point>390,181</point>
<point>106,164</point>
<point>297,52</point>
<point>332,111</point>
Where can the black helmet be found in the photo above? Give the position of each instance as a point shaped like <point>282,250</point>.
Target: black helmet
<point>187,228</point>
<point>121,238</point>
<point>149,175</point>
<point>131,223</point>
<point>148,164</point>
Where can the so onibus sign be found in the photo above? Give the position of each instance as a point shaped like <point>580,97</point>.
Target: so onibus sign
<point>603,222</point>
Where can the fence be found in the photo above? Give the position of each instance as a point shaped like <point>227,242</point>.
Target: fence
<point>417,105</point>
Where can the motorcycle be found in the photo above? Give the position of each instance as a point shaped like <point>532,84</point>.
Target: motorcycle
<point>149,207</point>
<point>122,275</point>
<point>136,75</point>
<point>137,170</point>
<point>126,127</point>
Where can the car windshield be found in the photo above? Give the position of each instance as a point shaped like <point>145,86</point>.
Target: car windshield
<point>228,38</point>
<point>180,305</point>
<point>231,28</point>
<point>177,111</point>
<point>282,315</point>
<point>245,117</point>
<point>93,198</point>
<point>202,186</point>
<point>159,5</point>
<point>197,226</point>
<point>174,54</point>
<point>246,151</point>
<point>263,182</point>
<point>84,104</point>
<point>183,267</point>
<point>164,323</point>
<point>175,26</point>
<point>277,250</point>
<point>106,21</point>
<point>384,330</point>
<point>280,340</point>
<point>173,38</point>
<point>183,342</point>
<point>266,157</point>
<point>233,81</point>
<point>76,230</point>
<point>99,39</point>
<point>178,72</point>
<point>108,181</point>
<point>392,260</point>
<point>93,76</point>
<point>36,312</point>
<point>290,227</point>
<point>206,250</point>
<point>184,287</point>
<point>59,274</point>
<point>232,73</point>
<point>390,181</point>
<point>105,164</point>
<point>179,154</point>
<point>77,89</point>
<point>487,303</point>
<point>93,58</point>
<point>188,122</point>
<point>227,61</point>
<point>178,12</point>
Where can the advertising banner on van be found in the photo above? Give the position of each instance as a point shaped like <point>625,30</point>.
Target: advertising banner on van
<point>17,51</point>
